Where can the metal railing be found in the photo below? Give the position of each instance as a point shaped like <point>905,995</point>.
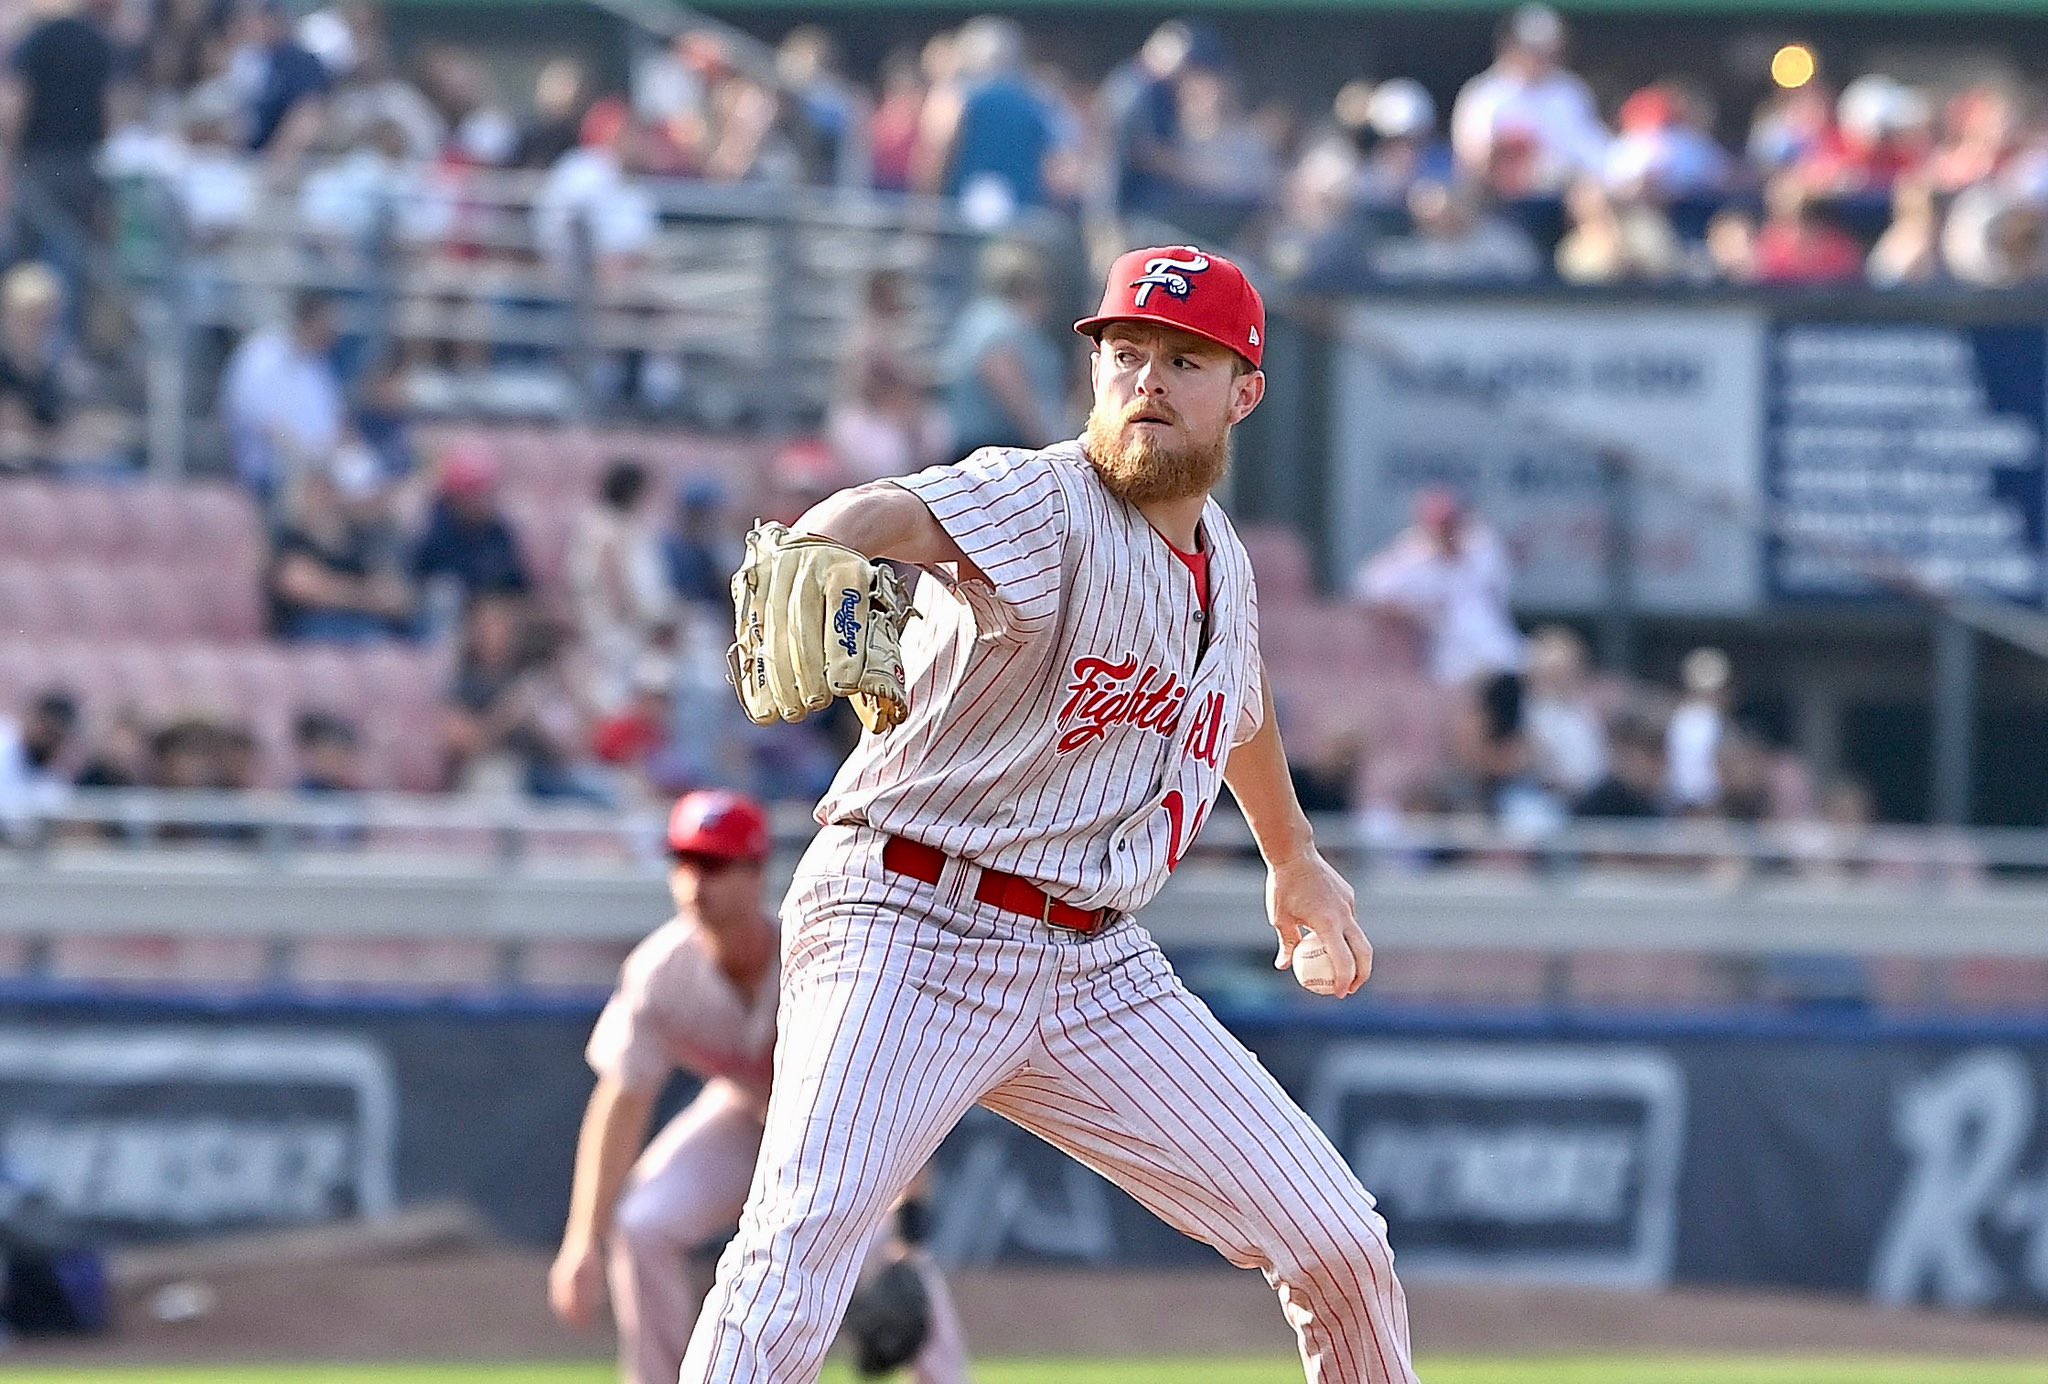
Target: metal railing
<point>753,291</point>
<point>485,833</point>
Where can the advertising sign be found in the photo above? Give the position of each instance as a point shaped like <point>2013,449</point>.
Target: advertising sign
<point>141,1133</point>
<point>1510,404</point>
<point>1914,446</point>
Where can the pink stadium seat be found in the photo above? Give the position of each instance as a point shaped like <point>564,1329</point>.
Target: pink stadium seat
<point>159,522</point>
<point>222,520</point>
<point>96,521</point>
<point>1280,562</point>
<point>32,520</point>
<point>24,607</point>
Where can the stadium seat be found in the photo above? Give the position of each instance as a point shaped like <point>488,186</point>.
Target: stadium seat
<point>32,520</point>
<point>1280,563</point>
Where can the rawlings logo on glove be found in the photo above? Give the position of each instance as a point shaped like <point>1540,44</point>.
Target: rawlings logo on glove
<point>815,620</point>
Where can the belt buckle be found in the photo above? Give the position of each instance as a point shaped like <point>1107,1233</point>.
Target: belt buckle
<point>1060,930</point>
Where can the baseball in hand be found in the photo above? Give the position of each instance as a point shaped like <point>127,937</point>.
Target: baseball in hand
<point>1313,967</point>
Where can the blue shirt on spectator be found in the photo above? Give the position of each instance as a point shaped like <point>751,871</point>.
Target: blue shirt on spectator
<point>482,555</point>
<point>1005,133</point>
<point>290,75</point>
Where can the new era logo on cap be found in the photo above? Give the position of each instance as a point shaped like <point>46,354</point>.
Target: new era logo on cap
<point>1188,289</point>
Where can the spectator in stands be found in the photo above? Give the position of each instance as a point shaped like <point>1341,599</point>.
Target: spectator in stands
<point>335,572</point>
<point>1526,124</point>
<point>698,549</point>
<point>328,753</point>
<point>633,738</point>
<point>1614,242</point>
<point>481,134</point>
<point>1567,734</point>
<point>329,756</point>
<point>287,84</point>
<point>53,115</point>
<point>1142,116</point>
<point>119,756</point>
<point>1909,251</point>
<point>1634,786</point>
<point>513,722</point>
<point>211,179</point>
<point>1224,159</point>
<point>618,580</point>
<point>382,421</point>
<point>281,397</point>
<point>1981,137</point>
<point>1791,127</point>
<point>38,758</point>
<point>1882,133</point>
<point>1455,240</point>
<point>37,369</point>
<point>561,96</point>
<point>1693,737</point>
<point>1731,245</point>
<point>884,419</point>
<point>893,129</point>
<point>1403,147</point>
<point>1006,382</point>
<point>1798,243</point>
<point>593,214</point>
<point>1744,770</point>
<point>1448,574</point>
<point>825,107</point>
<point>369,95</point>
<point>469,547</point>
<point>988,148</point>
<point>1996,236</point>
<point>1662,151</point>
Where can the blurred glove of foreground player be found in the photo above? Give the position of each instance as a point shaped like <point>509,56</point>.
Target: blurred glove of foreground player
<point>816,620</point>
<point>888,1319</point>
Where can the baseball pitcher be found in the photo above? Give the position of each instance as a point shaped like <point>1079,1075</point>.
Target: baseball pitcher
<point>1047,734</point>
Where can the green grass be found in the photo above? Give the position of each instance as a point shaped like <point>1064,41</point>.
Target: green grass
<point>1732,1369</point>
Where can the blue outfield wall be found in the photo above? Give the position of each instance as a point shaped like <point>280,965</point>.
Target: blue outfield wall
<point>1831,1152</point>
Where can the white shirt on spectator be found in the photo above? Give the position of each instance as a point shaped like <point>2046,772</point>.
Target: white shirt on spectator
<point>1569,742</point>
<point>1692,747</point>
<point>275,393</point>
<point>1460,600</point>
<point>1556,110</point>
<point>25,792</point>
<point>216,190</point>
<point>588,186</point>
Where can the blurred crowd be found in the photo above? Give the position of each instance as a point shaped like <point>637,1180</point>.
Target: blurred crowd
<point>1530,738</point>
<point>1518,175</point>
<point>1522,173</point>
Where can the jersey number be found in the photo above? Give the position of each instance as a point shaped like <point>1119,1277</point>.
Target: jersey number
<point>1176,816</point>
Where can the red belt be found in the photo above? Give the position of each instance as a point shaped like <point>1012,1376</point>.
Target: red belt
<point>1011,893</point>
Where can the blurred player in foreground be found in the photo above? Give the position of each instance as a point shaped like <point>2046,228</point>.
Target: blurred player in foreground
<point>700,994</point>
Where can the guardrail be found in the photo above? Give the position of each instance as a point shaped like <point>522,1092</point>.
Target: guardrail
<point>753,290</point>
<point>294,871</point>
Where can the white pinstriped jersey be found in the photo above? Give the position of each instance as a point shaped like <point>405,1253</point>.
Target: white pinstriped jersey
<point>674,1007</point>
<point>1069,718</point>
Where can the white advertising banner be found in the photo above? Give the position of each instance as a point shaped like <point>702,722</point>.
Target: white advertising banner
<point>1511,405</point>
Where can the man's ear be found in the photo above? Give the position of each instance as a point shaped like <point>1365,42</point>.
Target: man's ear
<point>1246,391</point>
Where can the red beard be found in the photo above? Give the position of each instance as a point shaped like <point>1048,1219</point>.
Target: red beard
<point>1136,466</point>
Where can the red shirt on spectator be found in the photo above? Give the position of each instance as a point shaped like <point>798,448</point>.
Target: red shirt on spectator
<point>1806,251</point>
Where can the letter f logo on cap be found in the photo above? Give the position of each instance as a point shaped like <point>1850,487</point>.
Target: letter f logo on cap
<point>1170,274</point>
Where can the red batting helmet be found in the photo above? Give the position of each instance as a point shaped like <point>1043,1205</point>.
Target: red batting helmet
<point>713,822</point>
<point>1182,287</point>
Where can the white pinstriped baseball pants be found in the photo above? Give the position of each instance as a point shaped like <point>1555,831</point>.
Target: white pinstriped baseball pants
<point>904,1004</point>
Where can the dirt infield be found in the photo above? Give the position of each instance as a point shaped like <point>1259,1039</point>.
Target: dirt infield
<point>486,1304</point>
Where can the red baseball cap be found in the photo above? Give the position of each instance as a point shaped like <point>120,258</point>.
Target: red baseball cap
<point>713,822</point>
<point>1180,286</point>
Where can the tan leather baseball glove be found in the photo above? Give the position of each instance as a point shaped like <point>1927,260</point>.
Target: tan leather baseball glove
<point>816,620</point>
